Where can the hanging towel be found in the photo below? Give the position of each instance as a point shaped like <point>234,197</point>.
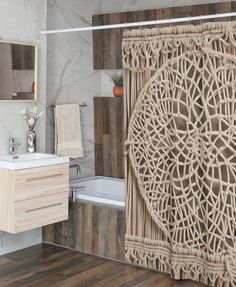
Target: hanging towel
<point>68,139</point>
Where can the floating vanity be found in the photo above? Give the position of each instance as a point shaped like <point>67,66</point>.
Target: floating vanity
<point>33,191</point>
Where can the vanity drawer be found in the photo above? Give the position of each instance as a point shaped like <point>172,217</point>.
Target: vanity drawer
<point>40,211</point>
<point>37,182</point>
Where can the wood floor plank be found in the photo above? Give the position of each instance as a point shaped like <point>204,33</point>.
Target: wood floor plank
<point>159,279</point>
<point>36,249</point>
<point>86,277</point>
<point>126,274</point>
<point>38,270</point>
<point>29,260</point>
<point>47,265</point>
<point>61,273</point>
<point>138,279</point>
<point>4,261</point>
<point>185,283</point>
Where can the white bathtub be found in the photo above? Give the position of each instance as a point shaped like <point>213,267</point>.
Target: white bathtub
<point>100,190</point>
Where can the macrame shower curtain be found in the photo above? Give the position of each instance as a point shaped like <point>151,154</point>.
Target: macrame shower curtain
<point>180,121</point>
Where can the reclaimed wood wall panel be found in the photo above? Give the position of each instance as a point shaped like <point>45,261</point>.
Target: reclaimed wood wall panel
<point>108,134</point>
<point>94,229</point>
<point>107,43</point>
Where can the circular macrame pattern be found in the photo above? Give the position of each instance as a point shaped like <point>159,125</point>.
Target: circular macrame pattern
<point>182,147</point>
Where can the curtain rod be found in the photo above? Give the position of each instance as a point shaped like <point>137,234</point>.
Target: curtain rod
<point>144,23</point>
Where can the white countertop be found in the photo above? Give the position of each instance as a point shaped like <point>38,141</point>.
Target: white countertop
<point>31,160</point>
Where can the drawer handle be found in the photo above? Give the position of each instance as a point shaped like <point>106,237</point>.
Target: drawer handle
<point>44,177</point>
<point>44,207</point>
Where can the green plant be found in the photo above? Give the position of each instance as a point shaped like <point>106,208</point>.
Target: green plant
<point>117,79</point>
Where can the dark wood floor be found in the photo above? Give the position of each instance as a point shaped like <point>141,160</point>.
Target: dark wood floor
<point>51,266</point>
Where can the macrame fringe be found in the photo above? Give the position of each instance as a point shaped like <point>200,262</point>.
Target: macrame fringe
<point>178,263</point>
<point>147,49</point>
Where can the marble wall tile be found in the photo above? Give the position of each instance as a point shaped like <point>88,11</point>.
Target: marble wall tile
<point>22,20</point>
<point>70,74</point>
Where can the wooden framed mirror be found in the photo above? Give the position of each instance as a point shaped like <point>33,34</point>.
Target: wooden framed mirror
<point>18,72</point>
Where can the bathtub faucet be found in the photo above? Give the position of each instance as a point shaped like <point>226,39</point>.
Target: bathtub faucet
<point>77,166</point>
<point>74,190</point>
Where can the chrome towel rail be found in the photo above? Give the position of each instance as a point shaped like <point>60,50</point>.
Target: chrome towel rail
<point>53,106</point>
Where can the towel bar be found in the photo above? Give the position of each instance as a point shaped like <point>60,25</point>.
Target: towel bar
<point>53,106</point>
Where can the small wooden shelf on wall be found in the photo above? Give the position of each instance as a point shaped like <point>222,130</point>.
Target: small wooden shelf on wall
<point>107,43</point>
<point>108,132</point>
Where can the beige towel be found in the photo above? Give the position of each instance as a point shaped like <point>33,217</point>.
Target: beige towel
<point>68,139</point>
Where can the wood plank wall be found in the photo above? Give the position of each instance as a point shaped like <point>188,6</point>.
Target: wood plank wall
<point>107,43</point>
<point>108,132</point>
<point>91,228</point>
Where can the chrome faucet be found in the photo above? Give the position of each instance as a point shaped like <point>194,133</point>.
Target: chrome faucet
<point>12,144</point>
<point>74,190</point>
<point>77,166</point>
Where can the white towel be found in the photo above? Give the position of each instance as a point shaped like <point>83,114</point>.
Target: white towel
<point>68,139</point>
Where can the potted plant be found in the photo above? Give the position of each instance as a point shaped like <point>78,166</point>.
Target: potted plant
<point>117,79</point>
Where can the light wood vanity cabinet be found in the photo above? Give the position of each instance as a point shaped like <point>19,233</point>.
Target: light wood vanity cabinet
<point>31,198</point>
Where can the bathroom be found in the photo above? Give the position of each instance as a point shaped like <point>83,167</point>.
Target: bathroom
<point>69,70</point>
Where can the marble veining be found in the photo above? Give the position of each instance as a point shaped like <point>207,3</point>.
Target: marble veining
<point>70,72</point>
<point>22,20</point>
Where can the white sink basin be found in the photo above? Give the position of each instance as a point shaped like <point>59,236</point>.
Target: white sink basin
<point>30,160</point>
